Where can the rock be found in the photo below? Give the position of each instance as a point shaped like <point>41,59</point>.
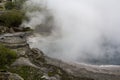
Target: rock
<point>23,62</point>
<point>15,77</point>
<point>9,76</point>
<point>3,29</point>
<point>46,77</point>
<point>88,72</point>
<point>22,53</point>
<point>36,56</point>
<point>18,29</point>
<point>11,30</point>
<point>21,29</point>
<point>17,42</point>
<point>56,77</point>
<point>37,53</point>
<point>13,40</point>
<point>53,78</point>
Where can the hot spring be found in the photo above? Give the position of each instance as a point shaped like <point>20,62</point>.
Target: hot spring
<point>84,31</point>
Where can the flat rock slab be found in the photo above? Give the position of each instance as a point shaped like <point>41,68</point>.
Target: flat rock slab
<point>14,40</point>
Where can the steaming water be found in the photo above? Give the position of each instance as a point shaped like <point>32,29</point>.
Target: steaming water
<point>84,31</point>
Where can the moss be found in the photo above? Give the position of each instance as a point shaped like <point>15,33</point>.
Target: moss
<point>28,73</point>
<point>7,56</point>
<point>51,74</point>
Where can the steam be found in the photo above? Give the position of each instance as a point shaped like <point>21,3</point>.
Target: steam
<point>79,30</point>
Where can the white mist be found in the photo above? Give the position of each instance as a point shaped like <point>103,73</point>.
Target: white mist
<point>83,30</point>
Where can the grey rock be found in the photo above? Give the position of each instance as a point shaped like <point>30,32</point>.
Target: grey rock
<point>15,40</point>
<point>54,78</point>
<point>9,76</point>
<point>23,62</point>
<point>15,77</point>
<point>11,30</point>
<point>37,53</point>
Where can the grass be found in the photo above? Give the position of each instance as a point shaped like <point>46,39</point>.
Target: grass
<point>12,18</point>
<point>28,73</point>
<point>7,57</point>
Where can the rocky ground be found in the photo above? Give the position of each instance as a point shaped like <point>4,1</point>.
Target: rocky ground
<point>32,64</point>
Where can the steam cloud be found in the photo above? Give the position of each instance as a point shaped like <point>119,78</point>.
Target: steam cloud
<point>80,30</point>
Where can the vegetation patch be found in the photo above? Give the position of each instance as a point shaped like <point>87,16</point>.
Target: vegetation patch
<point>17,4</point>
<point>7,57</point>
<point>28,73</point>
<point>11,18</point>
<point>9,5</point>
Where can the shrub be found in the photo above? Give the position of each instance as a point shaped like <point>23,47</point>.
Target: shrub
<point>14,5</point>
<point>19,3</point>
<point>9,5</point>
<point>11,18</point>
<point>7,56</point>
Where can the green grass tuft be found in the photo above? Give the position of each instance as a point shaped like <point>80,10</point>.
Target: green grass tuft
<point>7,56</point>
